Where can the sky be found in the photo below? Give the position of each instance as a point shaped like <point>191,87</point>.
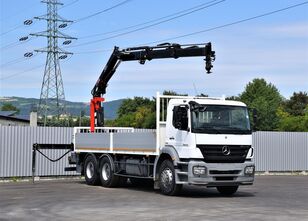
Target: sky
<point>273,47</point>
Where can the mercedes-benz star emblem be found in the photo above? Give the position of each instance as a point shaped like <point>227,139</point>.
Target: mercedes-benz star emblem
<point>226,150</point>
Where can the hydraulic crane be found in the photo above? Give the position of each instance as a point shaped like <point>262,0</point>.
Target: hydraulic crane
<point>142,54</point>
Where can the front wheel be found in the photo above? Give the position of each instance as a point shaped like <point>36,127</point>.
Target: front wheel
<point>107,177</point>
<point>227,190</point>
<point>167,179</point>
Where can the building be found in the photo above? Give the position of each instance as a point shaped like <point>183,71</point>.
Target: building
<point>9,118</point>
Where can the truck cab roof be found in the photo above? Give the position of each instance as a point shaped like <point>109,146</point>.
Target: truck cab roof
<point>205,101</point>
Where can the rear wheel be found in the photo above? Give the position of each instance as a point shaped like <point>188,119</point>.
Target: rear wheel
<point>167,179</point>
<point>107,177</point>
<point>227,190</point>
<point>91,170</point>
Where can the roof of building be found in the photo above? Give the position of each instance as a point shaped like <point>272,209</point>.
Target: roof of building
<point>21,118</point>
<point>7,113</point>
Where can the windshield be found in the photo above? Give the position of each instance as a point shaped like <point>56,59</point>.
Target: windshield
<point>220,119</point>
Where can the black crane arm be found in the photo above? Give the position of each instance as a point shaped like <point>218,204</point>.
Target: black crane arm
<point>141,54</point>
<point>144,53</point>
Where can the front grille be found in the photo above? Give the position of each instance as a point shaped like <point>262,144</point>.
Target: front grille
<point>215,154</point>
<point>225,178</point>
<point>219,172</point>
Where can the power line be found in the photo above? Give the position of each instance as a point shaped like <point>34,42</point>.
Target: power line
<point>20,26</point>
<point>19,12</point>
<point>12,29</point>
<point>22,72</point>
<point>31,69</point>
<point>148,26</point>
<point>86,17</point>
<point>93,52</point>
<point>15,61</point>
<point>102,11</point>
<point>148,22</point>
<point>231,23</point>
<point>213,28</point>
<point>16,43</point>
<point>185,35</point>
<point>13,44</point>
<point>68,4</point>
<point>18,60</point>
<point>10,45</point>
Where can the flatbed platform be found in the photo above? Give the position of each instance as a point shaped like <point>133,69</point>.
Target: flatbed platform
<point>115,140</point>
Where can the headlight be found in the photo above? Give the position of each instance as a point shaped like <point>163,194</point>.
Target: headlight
<point>249,170</point>
<point>199,170</point>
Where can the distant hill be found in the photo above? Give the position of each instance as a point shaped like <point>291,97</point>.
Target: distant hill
<point>73,108</point>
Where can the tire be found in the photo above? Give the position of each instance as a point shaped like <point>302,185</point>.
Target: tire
<point>91,170</point>
<point>106,173</point>
<point>167,179</point>
<point>227,190</point>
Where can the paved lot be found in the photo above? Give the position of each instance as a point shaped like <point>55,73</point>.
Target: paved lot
<point>271,198</point>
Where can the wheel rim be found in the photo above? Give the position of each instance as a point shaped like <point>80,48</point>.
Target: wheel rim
<point>90,170</point>
<point>106,171</point>
<point>167,179</point>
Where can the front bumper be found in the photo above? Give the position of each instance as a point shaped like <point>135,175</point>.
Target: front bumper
<point>216,174</point>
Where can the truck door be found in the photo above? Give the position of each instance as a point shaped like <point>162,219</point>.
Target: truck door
<point>178,134</point>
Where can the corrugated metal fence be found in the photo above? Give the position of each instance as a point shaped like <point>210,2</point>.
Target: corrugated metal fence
<point>16,150</point>
<point>274,151</point>
<point>281,151</point>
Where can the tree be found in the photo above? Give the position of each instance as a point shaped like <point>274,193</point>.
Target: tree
<point>293,113</point>
<point>82,121</point>
<point>266,99</point>
<point>9,107</point>
<point>138,112</point>
<point>173,93</point>
<point>290,122</point>
<point>233,98</point>
<point>130,105</point>
<point>127,120</point>
<point>55,121</point>
<point>297,104</point>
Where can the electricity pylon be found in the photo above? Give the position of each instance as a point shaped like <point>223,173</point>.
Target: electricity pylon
<point>52,98</point>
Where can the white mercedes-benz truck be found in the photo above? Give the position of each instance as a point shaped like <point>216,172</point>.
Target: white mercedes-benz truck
<point>197,140</point>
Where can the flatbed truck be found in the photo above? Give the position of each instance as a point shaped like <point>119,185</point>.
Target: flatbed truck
<point>197,141</point>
